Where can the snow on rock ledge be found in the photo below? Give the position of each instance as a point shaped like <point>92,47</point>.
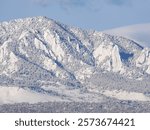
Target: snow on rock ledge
<point>116,61</point>
<point>143,61</point>
<point>108,57</point>
<point>55,47</point>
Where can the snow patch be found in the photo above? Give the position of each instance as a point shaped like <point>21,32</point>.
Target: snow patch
<point>4,51</point>
<point>108,57</point>
<point>143,61</point>
<point>22,51</point>
<point>148,70</point>
<point>10,95</point>
<point>39,45</point>
<point>12,63</point>
<point>102,52</point>
<point>116,61</point>
<point>124,95</point>
<point>84,73</point>
<point>49,64</point>
<point>54,45</point>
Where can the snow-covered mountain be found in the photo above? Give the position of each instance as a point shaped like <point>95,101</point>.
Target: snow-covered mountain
<point>44,59</point>
<point>139,33</point>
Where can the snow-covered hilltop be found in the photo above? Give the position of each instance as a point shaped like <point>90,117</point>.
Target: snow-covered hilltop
<point>43,56</point>
<point>138,32</point>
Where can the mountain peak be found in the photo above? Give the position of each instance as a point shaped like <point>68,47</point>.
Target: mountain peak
<point>108,52</point>
<point>37,18</point>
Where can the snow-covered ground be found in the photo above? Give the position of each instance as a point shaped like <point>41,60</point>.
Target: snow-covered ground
<point>11,95</point>
<point>124,95</point>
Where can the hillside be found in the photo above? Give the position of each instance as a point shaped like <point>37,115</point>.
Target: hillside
<point>42,60</point>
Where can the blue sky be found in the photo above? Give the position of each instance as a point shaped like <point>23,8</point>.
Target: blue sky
<point>87,14</point>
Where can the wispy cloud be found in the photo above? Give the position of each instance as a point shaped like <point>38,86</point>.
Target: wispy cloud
<point>73,2</point>
<point>119,2</point>
<point>94,5</point>
<point>42,3</point>
<point>60,2</point>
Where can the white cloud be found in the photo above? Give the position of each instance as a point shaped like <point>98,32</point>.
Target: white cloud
<point>119,2</point>
<point>61,2</point>
<point>94,5</point>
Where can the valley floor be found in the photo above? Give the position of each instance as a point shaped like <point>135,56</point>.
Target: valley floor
<point>111,106</point>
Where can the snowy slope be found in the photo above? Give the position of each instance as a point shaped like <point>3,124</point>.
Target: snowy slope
<point>14,94</point>
<point>139,33</point>
<point>49,61</point>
